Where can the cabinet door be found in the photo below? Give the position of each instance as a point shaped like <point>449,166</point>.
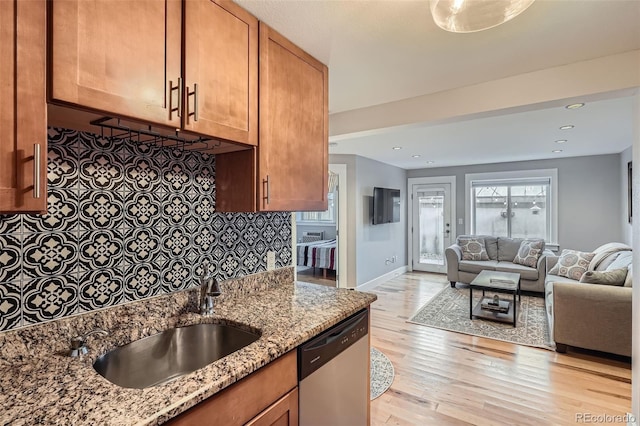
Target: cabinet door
<point>284,412</point>
<point>221,70</point>
<point>23,119</point>
<point>293,148</point>
<point>118,57</point>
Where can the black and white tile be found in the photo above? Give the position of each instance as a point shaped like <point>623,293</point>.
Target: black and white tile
<point>125,221</point>
<point>49,298</point>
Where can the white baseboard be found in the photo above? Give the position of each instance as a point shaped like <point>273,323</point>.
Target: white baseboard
<point>382,278</point>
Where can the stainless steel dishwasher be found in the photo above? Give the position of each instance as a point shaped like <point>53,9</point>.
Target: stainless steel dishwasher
<point>333,369</point>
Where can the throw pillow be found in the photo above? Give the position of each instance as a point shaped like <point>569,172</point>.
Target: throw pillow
<point>572,264</point>
<point>473,249</point>
<point>612,277</point>
<point>529,253</point>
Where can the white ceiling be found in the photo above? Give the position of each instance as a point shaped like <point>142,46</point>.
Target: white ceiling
<point>383,51</point>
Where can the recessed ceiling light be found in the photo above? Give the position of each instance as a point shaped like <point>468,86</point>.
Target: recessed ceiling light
<point>575,106</point>
<point>395,148</point>
<point>561,141</point>
<point>429,162</point>
<point>567,127</point>
<point>415,156</point>
<point>556,151</point>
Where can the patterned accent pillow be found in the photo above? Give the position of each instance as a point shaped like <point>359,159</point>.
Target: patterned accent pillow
<point>473,249</point>
<point>612,277</point>
<point>572,264</point>
<point>529,252</point>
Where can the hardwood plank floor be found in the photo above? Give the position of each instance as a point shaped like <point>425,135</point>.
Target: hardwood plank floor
<point>316,276</point>
<point>446,378</point>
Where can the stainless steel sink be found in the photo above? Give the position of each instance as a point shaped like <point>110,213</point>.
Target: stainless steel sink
<point>173,353</point>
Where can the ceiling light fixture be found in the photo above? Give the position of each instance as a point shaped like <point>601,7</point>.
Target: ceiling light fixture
<point>429,162</point>
<point>567,127</point>
<point>395,148</point>
<point>556,151</point>
<point>415,156</point>
<point>575,106</point>
<point>468,16</point>
<point>561,141</point>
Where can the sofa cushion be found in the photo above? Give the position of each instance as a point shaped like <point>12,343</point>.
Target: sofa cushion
<point>529,253</point>
<point>623,260</point>
<point>572,264</point>
<point>605,254</point>
<point>628,282</point>
<point>475,266</point>
<point>473,248</point>
<point>508,248</point>
<point>526,273</point>
<point>558,279</point>
<point>611,277</point>
<point>604,264</point>
<point>491,244</point>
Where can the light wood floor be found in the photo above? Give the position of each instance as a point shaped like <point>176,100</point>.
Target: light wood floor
<point>317,277</point>
<point>446,378</point>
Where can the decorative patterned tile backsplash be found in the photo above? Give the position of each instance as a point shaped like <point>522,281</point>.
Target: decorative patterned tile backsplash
<point>125,222</point>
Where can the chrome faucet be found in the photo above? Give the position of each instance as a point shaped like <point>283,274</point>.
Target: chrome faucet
<point>209,288</point>
<point>79,343</point>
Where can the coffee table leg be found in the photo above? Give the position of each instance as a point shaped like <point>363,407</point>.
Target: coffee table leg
<point>470,302</point>
<point>519,292</point>
<point>515,309</point>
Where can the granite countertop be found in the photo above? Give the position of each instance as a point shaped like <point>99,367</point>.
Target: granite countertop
<point>40,384</point>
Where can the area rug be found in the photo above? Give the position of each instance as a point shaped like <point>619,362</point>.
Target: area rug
<point>449,310</point>
<point>382,373</point>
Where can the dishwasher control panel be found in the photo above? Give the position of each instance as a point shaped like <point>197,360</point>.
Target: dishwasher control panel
<point>330,343</point>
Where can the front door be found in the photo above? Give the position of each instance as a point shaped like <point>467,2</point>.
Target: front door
<point>431,227</point>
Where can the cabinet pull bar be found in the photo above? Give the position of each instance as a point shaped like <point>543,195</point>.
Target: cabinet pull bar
<point>36,170</point>
<point>193,114</point>
<point>195,101</point>
<point>268,190</point>
<point>179,96</point>
<point>177,88</point>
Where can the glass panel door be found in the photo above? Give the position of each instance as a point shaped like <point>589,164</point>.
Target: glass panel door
<point>431,227</point>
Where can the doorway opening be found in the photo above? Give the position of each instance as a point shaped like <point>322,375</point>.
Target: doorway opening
<point>318,243</point>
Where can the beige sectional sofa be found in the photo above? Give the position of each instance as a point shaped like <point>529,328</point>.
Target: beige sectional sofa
<point>501,252</point>
<point>591,316</point>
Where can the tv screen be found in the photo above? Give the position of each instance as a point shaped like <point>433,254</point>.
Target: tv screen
<point>386,205</point>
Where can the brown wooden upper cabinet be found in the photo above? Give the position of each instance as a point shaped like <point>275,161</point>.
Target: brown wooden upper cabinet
<point>288,171</point>
<point>125,58</point>
<point>23,116</point>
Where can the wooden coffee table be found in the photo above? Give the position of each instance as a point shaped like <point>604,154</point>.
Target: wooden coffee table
<point>497,282</point>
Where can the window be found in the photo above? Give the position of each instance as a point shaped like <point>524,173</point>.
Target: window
<point>513,204</point>
<point>327,217</point>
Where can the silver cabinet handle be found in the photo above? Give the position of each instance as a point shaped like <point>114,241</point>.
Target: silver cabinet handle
<point>36,170</point>
<point>267,197</point>
<point>193,114</point>
<point>177,88</point>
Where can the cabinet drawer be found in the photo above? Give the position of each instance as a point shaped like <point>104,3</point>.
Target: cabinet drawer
<point>242,401</point>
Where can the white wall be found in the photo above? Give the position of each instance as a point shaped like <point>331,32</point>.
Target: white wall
<point>370,245</point>
<point>589,192</point>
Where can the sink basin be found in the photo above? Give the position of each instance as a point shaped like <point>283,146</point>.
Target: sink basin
<point>173,353</point>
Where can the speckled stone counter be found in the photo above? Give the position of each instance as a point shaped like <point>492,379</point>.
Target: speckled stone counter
<point>40,384</point>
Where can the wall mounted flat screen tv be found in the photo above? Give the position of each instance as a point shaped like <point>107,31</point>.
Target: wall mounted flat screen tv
<point>386,205</point>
